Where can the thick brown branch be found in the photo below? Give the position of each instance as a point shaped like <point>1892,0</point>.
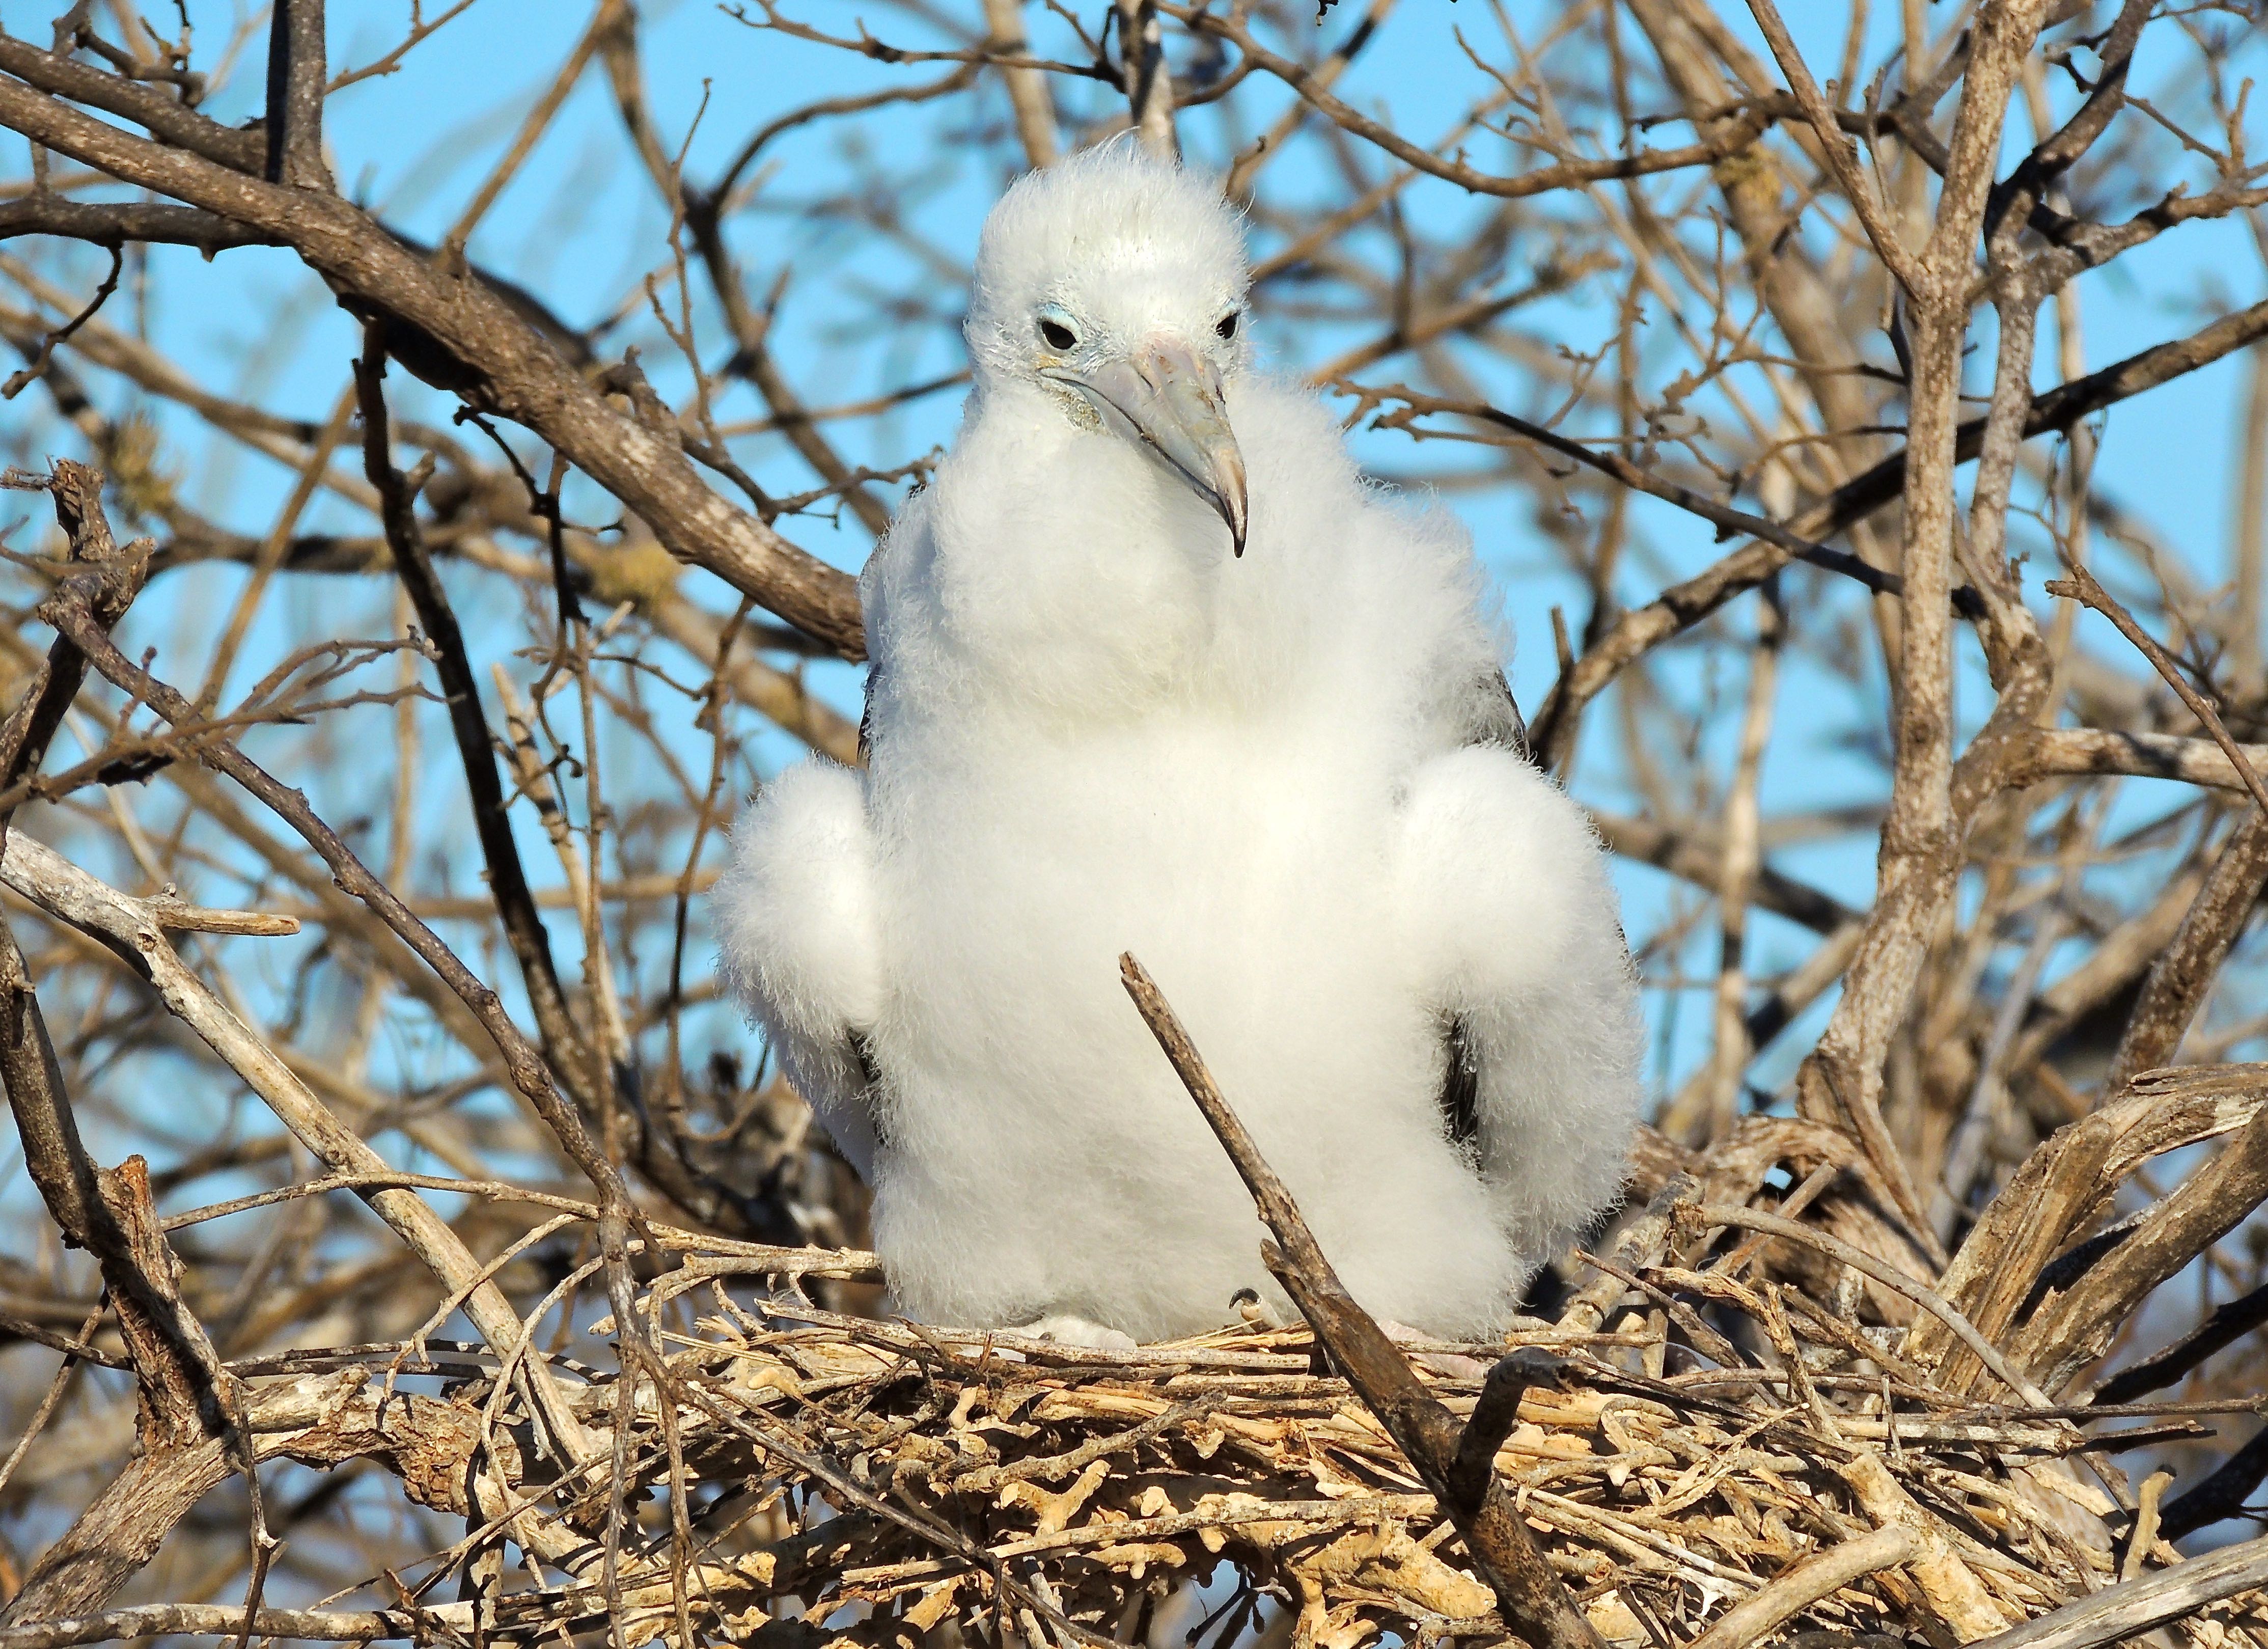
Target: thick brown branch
<point>2025,189</point>
<point>1820,1575</point>
<point>2128,1610</point>
<point>500,361</point>
<point>2072,1328</point>
<point>217,1620</point>
<point>118,1533</point>
<point>2228,1323</point>
<point>297,78</point>
<point>163,115</point>
<point>112,223</point>
<point>2059,751</point>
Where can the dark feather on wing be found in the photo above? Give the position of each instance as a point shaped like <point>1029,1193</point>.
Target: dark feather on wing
<point>870,1084</point>
<point>1494,719</point>
<point>1461,1085</point>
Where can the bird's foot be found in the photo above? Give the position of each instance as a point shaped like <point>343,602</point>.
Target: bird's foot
<point>1065,1329</point>
<point>1256,1314</point>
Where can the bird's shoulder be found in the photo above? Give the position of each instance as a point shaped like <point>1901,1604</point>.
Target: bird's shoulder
<point>1493,715</point>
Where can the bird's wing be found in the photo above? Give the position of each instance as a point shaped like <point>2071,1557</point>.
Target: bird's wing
<point>866,714</point>
<point>1460,1083</point>
<point>1510,902</point>
<point>834,1072</point>
<point>1494,719</point>
<point>797,919</point>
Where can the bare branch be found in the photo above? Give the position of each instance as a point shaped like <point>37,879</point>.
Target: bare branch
<point>297,76</point>
<point>1534,1603</point>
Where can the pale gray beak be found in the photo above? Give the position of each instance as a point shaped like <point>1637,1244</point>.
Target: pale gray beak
<point>1168,398</point>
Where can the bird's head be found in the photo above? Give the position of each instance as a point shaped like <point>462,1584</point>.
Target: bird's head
<point>1114,284</point>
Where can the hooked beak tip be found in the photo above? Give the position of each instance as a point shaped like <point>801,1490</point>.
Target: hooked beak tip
<point>1233,511</point>
<point>1226,491</point>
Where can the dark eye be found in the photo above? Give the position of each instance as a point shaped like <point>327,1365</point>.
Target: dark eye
<point>1058,335</point>
<point>1227,325</point>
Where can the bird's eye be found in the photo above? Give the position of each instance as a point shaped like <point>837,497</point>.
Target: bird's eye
<point>1057,335</point>
<point>1227,325</point>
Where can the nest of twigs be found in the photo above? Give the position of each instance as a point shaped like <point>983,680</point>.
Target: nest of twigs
<point>1106,1485</point>
<point>1750,1419</point>
<point>892,1482</point>
<point>1744,1427</point>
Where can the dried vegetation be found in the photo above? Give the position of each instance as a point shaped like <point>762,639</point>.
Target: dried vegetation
<point>344,1297</point>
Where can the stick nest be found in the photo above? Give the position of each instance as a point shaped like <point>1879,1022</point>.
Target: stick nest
<point>890,1483</point>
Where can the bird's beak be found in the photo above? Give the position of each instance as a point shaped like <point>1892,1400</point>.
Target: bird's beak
<point>1168,398</point>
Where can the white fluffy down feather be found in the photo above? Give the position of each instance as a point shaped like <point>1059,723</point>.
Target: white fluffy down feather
<point>1285,779</point>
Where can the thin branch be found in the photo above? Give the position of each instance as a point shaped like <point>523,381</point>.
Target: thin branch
<point>1533,1601</point>
<point>2082,588</point>
<point>563,1042</point>
<point>70,615</point>
<point>1841,159</point>
<point>1736,136</point>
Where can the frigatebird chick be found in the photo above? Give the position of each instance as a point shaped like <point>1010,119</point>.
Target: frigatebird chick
<point>1154,669</point>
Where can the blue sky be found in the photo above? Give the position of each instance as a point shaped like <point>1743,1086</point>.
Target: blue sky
<point>581,224</point>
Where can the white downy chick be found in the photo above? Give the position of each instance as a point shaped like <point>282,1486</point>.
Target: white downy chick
<point>1154,670</point>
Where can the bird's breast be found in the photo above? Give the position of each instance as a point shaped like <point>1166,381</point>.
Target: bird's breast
<point>1249,873</point>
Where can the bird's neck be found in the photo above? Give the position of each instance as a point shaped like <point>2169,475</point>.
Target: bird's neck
<point>1071,571</point>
